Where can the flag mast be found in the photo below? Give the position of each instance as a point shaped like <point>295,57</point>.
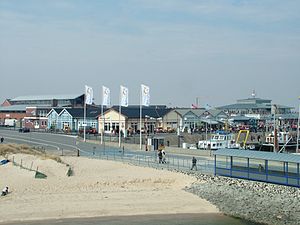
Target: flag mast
<point>120,108</point>
<point>141,119</point>
<point>84,116</point>
<point>297,150</point>
<point>102,121</point>
<point>144,101</point>
<point>123,102</point>
<point>88,99</point>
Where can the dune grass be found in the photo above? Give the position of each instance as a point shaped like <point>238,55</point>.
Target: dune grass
<point>6,149</point>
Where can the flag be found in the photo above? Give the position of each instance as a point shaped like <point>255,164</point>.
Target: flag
<point>105,96</point>
<point>88,95</point>
<point>123,96</point>
<point>194,106</point>
<point>145,95</point>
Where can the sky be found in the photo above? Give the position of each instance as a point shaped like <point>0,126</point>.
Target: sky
<point>214,51</point>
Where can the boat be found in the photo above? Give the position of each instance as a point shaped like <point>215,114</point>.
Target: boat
<point>285,142</point>
<point>218,140</point>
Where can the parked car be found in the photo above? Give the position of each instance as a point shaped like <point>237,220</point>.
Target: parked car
<point>88,130</point>
<point>24,130</point>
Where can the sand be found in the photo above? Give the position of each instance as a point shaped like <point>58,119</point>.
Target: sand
<point>97,188</point>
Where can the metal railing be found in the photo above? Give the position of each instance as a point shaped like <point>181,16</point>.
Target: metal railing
<point>173,162</point>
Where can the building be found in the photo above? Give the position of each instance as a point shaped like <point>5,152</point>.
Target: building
<point>36,117</point>
<point>52,116</point>
<point>47,100</point>
<point>129,119</point>
<point>31,111</point>
<point>187,119</point>
<point>14,112</point>
<point>72,119</point>
<point>254,107</point>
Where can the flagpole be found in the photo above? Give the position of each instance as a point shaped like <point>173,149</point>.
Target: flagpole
<point>120,118</point>
<point>84,117</point>
<point>120,125</point>
<point>102,125</point>
<point>298,131</point>
<point>141,119</point>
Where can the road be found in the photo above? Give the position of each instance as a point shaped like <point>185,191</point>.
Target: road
<point>70,145</point>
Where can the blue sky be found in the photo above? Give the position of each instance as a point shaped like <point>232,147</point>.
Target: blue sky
<point>217,51</point>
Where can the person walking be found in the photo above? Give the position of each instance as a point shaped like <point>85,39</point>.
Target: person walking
<point>163,156</point>
<point>194,163</point>
<point>160,156</point>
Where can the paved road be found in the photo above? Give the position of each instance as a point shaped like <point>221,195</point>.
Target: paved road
<point>66,144</point>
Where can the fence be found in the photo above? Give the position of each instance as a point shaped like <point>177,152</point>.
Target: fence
<point>22,166</point>
<point>173,162</point>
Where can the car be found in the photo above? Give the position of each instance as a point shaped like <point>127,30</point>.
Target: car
<point>89,130</point>
<point>24,130</point>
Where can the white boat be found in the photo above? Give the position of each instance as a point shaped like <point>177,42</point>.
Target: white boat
<point>284,140</point>
<point>218,140</point>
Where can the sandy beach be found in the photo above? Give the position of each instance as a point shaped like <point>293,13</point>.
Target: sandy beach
<point>97,188</point>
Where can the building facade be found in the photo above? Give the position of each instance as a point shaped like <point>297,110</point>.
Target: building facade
<point>254,107</point>
<point>129,120</point>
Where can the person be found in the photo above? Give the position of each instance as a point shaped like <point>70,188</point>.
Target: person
<point>163,156</point>
<point>5,191</point>
<point>160,155</point>
<point>260,168</point>
<point>194,162</point>
<point>2,139</point>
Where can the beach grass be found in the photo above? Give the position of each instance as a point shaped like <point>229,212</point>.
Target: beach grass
<point>6,149</point>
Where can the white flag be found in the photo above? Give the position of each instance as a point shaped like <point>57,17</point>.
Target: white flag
<point>145,95</point>
<point>105,96</point>
<point>123,96</point>
<point>88,95</point>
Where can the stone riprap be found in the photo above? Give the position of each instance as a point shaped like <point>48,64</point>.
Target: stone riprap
<point>255,201</point>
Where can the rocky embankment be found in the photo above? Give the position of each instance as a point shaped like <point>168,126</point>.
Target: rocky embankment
<point>255,201</point>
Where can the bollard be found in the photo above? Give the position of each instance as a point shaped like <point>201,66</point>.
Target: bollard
<point>78,153</point>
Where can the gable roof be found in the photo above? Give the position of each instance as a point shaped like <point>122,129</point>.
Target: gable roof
<point>45,97</point>
<point>134,112</point>
<point>79,112</point>
<point>57,110</point>
<point>182,111</point>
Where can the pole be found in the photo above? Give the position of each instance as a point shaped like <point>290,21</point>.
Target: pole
<point>275,133</point>
<point>297,150</point>
<point>140,119</point>
<point>102,120</point>
<point>120,108</point>
<point>84,118</point>
<point>205,135</point>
